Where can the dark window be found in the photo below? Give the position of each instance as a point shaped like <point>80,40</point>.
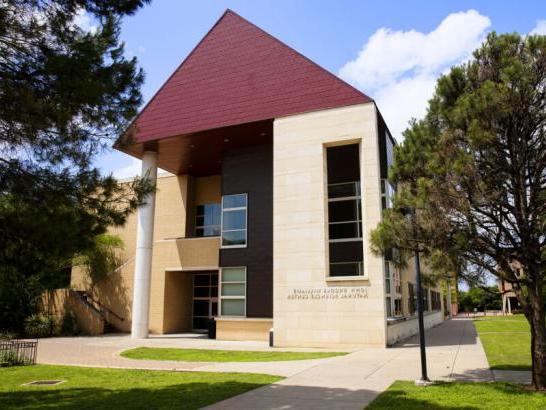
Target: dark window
<point>207,220</point>
<point>344,210</point>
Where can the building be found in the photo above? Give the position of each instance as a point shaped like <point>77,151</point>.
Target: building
<point>278,176</point>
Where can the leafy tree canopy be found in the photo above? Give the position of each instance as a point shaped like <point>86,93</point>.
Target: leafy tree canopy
<point>65,95</point>
<point>475,171</point>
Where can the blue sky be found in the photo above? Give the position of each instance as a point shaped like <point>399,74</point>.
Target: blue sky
<point>391,50</point>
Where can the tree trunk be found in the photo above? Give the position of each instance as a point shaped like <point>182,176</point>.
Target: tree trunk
<point>537,320</point>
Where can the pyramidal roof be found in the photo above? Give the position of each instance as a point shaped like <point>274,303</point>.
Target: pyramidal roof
<point>236,74</point>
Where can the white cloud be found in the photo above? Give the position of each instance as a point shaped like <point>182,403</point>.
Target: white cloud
<point>128,171</point>
<point>540,28</point>
<point>399,68</point>
<point>84,21</point>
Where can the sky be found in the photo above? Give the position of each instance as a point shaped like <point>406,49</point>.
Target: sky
<point>392,50</point>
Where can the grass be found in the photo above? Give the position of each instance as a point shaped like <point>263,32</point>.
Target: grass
<point>203,355</point>
<point>404,395</point>
<point>94,388</point>
<point>506,341</point>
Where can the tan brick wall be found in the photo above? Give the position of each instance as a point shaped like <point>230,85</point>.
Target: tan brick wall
<point>300,247</point>
<point>116,291</point>
<point>243,329</point>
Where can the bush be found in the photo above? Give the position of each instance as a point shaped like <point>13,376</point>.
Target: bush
<point>39,325</point>
<point>69,325</point>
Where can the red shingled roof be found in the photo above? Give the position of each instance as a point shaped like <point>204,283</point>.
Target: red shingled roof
<point>238,73</point>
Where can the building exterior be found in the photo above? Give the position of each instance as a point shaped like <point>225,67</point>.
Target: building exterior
<point>277,176</point>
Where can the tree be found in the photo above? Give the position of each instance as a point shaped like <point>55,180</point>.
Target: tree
<point>482,299</point>
<point>65,95</point>
<point>475,171</point>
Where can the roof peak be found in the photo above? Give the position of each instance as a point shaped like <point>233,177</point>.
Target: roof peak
<point>239,73</point>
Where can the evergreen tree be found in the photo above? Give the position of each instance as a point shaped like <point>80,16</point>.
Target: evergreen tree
<point>65,95</point>
<point>474,169</point>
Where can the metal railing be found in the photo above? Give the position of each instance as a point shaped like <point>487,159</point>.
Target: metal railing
<point>17,352</point>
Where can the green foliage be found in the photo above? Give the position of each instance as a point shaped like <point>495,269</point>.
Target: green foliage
<point>480,299</point>
<point>66,95</point>
<point>475,171</point>
<point>39,325</point>
<point>102,258</point>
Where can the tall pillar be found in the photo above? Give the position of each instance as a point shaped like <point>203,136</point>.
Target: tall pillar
<point>143,258</point>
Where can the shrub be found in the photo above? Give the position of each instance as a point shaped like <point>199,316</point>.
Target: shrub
<point>39,325</point>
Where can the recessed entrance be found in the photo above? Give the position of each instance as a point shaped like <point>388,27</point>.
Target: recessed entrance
<point>205,299</point>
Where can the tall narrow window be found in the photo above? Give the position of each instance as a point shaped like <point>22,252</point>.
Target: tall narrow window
<point>234,221</point>
<point>344,211</point>
<point>233,291</point>
<point>207,220</point>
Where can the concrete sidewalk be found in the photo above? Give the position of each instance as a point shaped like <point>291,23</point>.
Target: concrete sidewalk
<point>454,352</point>
<point>350,382</point>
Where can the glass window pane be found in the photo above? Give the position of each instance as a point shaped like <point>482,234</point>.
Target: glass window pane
<point>201,280</point>
<point>200,210</point>
<point>233,275</point>
<point>234,220</point>
<point>339,211</point>
<point>344,230</point>
<point>200,307</point>
<point>233,289</point>
<point>210,231</point>
<point>212,214</point>
<point>233,307</point>
<point>233,238</point>
<point>201,292</point>
<point>346,269</point>
<point>214,308</point>
<point>214,292</point>
<point>343,190</point>
<point>214,279</point>
<point>199,232</point>
<point>234,201</point>
<point>199,221</point>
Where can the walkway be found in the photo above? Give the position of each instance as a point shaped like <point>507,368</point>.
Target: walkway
<point>454,352</point>
<point>350,382</point>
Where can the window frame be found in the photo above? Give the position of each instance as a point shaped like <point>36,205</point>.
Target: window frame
<point>221,296</point>
<point>358,221</point>
<point>239,208</point>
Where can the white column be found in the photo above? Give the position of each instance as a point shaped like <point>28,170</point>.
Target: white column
<point>509,305</point>
<point>143,259</point>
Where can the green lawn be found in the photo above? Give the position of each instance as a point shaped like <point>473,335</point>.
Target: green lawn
<point>404,395</point>
<point>202,355</point>
<point>94,388</point>
<point>506,341</point>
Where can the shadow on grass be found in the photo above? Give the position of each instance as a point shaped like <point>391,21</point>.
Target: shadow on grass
<point>181,396</point>
<point>458,396</point>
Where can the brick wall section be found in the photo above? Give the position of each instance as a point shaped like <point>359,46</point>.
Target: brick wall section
<point>238,73</point>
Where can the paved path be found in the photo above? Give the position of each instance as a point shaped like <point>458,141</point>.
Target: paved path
<point>454,352</point>
<point>350,382</point>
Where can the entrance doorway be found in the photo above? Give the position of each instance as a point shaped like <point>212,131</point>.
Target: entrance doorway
<point>205,299</point>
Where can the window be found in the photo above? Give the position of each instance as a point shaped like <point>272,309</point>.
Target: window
<point>207,220</point>
<point>412,299</point>
<point>346,251</point>
<point>435,300</point>
<point>392,290</point>
<point>344,212</point>
<point>387,192</point>
<point>234,210</point>
<point>233,292</point>
<point>346,269</point>
<point>425,300</point>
